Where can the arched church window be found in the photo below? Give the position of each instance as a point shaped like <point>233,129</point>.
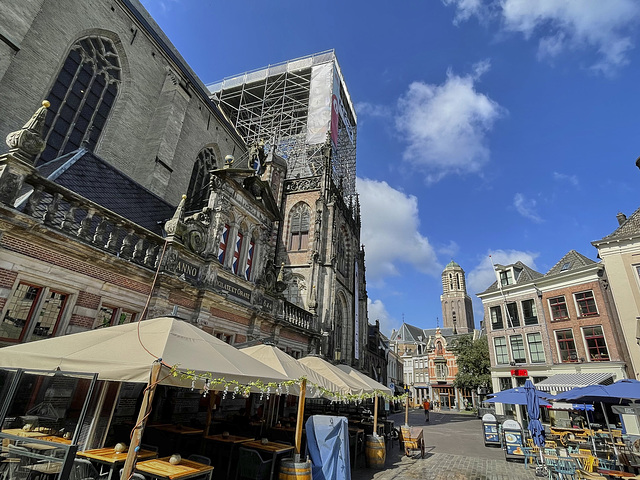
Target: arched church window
<point>342,261</point>
<point>296,290</point>
<point>299,227</point>
<point>337,329</point>
<point>458,280</point>
<point>450,282</point>
<point>198,195</point>
<point>81,97</point>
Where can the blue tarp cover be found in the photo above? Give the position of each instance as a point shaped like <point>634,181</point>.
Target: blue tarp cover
<point>328,445</point>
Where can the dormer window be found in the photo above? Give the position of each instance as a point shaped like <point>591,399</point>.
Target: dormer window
<point>506,278</point>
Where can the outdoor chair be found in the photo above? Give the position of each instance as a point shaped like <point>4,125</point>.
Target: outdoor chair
<point>530,453</point>
<point>550,451</point>
<point>585,451</point>
<point>550,444</point>
<point>584,475</point>
<point>571,449</point>
<point>84,470</point>
<point>252,466</point>
<point>551,464</point>
<point>605,464</point>
<point>200,459</point>
<point>566,469</point>
<point>134,475</point>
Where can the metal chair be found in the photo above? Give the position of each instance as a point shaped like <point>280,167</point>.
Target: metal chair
<point>200,459</point>
<point>83,469</point>
<point>566,469</point>
<point>530,453</point>
<point>252,466</point>
<point>134,475</point>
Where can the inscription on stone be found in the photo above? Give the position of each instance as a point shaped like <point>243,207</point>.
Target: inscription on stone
<point>233,289</point>
<point>188,269</point>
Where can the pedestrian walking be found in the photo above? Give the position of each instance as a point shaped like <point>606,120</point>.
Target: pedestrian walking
<point>426,406</point>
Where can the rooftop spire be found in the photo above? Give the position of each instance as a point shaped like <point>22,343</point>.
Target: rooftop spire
<point>27,142</point>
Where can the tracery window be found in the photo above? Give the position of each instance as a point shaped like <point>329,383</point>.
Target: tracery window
<point>199,189</point>
<point>81,97</point>
<point>299,227</point>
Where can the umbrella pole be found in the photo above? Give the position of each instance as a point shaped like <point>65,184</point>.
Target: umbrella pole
<point>606,419</point>
<point>375,416</point>
<point>140,424</point>
<point>406,410</point>
<point>299,420</point>
<point>210,404</point>
<point>593,442</point>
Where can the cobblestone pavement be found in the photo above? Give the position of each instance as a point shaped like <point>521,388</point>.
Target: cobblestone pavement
<point>455,451</point>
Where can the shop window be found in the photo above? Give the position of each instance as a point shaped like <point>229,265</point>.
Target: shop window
<point>27,318</point>
<point>199,184</point>
<point>505,383</point>
<point>299,227</point>
<point>558,307</point>
<point>81,97</point>
<point>502,356</point>
<point>529,312</point>
<point>536,350</point>
<point>586,304</point>
<point>517,349</point>
<point>496,318</point>
<point>566,346</point>
<point>596,345</point>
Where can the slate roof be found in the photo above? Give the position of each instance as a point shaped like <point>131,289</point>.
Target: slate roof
<point>526,275</point>
<point>571,261</point>
<point>630,228</point>
<point>88,175</point>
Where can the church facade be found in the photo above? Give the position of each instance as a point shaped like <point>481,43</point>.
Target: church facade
<point>130,195</point>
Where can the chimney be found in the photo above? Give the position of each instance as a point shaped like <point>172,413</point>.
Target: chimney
<point>621,218</point>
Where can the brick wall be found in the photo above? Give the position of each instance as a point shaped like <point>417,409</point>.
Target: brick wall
<point>216,312</point>
<point>33,250</point>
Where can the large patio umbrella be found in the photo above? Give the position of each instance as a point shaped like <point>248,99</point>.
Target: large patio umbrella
<point>377,387</point>
<point>533,411</point>
<point>518,396</point>
<point>280,361</point>
<point>331,372</point>
<point>143,352</point>
<point>622,392</point>
<point>289,366</point>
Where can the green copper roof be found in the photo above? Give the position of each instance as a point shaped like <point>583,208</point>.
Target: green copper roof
<point>452,264</point>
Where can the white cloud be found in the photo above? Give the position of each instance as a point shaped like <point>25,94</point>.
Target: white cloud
<point>564,178</point>
<point>390,233</point>
<point>372,110</point>
<point>605,27</point>
<point>483,274</point>
<point>377,311</point>
<point>526,207</point>
<point>445,126</point>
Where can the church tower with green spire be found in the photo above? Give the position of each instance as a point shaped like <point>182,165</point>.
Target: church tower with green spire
<point>457,310</point>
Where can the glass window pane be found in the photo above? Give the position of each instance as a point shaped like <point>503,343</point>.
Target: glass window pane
<point>105,316</point>
<point>517,349</point>
<point>19,312</point>
<point>536,351</point>
<point>49,316</point>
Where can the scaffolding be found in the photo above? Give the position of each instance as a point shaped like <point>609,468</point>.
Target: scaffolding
<point>295,106</point>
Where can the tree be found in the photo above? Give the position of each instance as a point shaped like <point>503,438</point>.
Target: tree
<point>474,366</point>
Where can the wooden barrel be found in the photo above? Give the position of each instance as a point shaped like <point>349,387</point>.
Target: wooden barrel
<point>375,452</point>
<point>291,470</point>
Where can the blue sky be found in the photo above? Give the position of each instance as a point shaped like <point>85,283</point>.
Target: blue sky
<point>502,127</point>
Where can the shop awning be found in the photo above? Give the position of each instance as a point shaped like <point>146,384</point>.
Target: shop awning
<point>571,406</point>
<point>564,382</point>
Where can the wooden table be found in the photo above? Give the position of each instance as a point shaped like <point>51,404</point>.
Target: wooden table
<point>108,456</point>
<point>18,432</point>
<point>161,468</point>
<point>231,441</point>
<point>55,439</point>
<point>49,468</point>
<point>615,473</point>
<point>271,447</point>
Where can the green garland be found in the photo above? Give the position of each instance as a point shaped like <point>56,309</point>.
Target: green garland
<point>236,388</point>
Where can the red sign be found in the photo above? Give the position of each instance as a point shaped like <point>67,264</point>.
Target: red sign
<point>519,373</point>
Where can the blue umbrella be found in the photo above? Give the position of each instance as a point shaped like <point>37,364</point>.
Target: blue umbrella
<point>621,392</point>
<point>533,410</point>
<point>518,396</point>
